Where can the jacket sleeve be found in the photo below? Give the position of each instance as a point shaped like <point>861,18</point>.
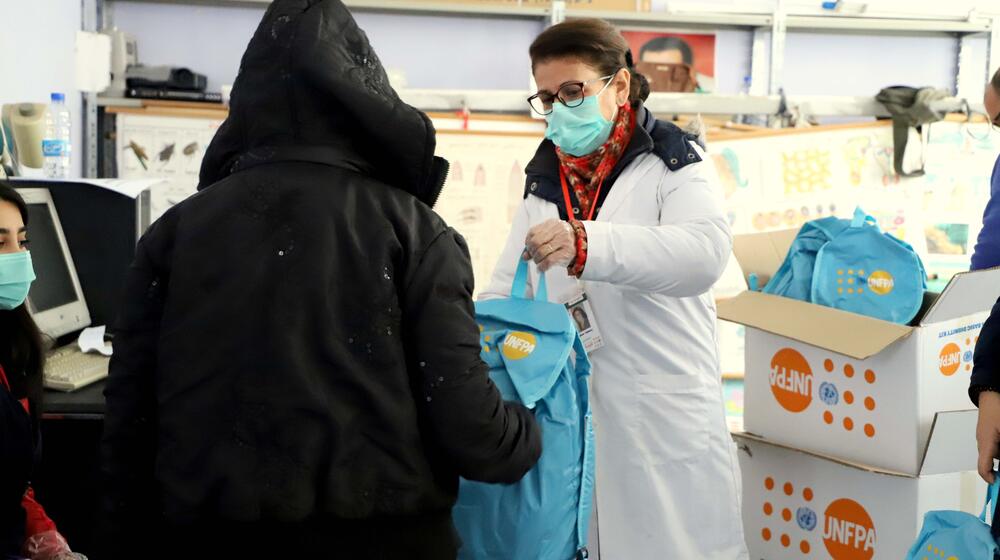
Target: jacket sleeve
<point>986,361</point>
<point>484,438</point>
<point>129,441</point>
<point>682,256</point>
<point>987,251</point>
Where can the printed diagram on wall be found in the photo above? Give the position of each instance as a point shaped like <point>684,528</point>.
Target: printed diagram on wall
<point>947,239</point>
<point>170,148</point>
<point>727,162</point>
<point>484,191</point>
<point>807,171</point>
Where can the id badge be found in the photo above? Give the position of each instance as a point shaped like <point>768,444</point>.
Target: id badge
<point>586,322</point>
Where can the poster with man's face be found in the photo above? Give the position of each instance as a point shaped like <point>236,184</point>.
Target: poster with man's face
<point>695,50</point>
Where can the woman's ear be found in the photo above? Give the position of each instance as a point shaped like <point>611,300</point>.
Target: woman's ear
<point>623,84</point>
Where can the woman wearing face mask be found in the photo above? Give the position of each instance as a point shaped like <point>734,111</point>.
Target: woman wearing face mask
<point>25,530</point>
<point>624,210</point>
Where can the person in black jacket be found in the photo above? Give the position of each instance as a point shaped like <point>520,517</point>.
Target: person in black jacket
<point>984,389</point>
<point>296,366</point>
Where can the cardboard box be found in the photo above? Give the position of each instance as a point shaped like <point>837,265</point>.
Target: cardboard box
<point>802,505</point>
<point>847,385</point>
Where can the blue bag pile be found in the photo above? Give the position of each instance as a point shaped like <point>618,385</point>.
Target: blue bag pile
<point>853,266</point>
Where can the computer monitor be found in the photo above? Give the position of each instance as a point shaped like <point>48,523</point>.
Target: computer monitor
<point>56,300</point>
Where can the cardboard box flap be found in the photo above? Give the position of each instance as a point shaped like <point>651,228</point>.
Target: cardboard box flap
<point>763,253</point>
<point>849,334</point>
<point>748,437</point>
<point>951,445</point>
<point>966,294</point>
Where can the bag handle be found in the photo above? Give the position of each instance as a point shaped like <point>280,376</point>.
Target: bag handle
<point>991,498</point>
<point>519,289</point>
<point>860,218</point>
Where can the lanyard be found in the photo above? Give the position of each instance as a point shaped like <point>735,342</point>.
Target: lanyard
<point>569,204</point>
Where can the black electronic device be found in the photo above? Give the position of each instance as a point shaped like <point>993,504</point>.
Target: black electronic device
<point>174,95</point>
<point>102,228</point>
<point>164,77</point>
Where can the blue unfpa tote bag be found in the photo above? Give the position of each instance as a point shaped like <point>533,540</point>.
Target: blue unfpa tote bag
<point>853,266</point>
<point>528,344</point>
<point>956,534</point>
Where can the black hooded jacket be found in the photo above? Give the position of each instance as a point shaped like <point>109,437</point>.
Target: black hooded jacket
<point>298,339</point>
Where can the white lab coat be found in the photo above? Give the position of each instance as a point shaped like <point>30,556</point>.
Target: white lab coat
<point>668,482</point>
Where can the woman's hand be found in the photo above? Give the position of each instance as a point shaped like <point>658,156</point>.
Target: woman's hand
<point>551,244</point>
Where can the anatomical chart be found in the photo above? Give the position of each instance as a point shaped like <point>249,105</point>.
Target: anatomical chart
<point>170,148</point>
<point>484,191</point>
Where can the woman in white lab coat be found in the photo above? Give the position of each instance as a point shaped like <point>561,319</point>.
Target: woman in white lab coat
<point>624,210</point>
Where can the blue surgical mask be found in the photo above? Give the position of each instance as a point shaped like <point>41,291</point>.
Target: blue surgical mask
<point>16,276</point>
<point>580,130</point>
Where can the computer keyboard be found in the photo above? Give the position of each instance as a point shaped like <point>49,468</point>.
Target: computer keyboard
<point>68,369</point>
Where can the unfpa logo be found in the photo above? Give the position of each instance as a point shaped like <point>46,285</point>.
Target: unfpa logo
<point>881,282</point>
<point>952,357</point>
<point>849,533</point>
<point>791,380</point>
<point>519,345</point>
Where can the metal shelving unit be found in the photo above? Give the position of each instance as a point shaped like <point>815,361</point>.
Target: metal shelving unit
<point>767,52</point>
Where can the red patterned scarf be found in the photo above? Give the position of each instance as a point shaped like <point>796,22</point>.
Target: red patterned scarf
<point>586,173</point>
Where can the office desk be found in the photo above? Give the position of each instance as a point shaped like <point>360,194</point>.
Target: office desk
<point>67,481</point>
<point>85,403</point>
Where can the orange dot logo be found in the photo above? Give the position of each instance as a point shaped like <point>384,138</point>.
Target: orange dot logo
<point>881,282</point>
<point>519,345</point>
<point>791,380</point>
<point>950,359</point>
<point>848,532</point>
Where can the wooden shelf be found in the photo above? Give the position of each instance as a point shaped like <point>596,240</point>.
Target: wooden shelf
<point>161,108</point>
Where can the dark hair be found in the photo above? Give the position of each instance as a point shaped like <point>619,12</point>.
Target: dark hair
<point>661,44</point>
<point>595,42</point>
<point>22,349</point>
<point>996,81</point>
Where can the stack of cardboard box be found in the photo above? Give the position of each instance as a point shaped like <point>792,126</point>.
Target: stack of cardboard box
<point>854,427</point>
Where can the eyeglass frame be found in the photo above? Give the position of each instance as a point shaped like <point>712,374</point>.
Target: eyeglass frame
<point>583,87</point>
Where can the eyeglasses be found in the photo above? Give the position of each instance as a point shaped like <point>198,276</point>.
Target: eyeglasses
<point>975,134</point>
<point>570,94</point>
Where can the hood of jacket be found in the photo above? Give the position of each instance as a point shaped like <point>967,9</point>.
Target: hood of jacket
<point>310,88</point>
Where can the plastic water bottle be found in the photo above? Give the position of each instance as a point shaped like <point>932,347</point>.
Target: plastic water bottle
<point>56,144</point>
